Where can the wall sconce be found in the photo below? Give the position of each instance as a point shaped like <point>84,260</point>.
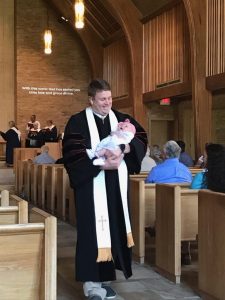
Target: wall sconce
<point>79,14</point>
<point>48,38</point>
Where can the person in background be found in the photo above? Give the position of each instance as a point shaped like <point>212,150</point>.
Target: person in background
<point>35,137</point>
<point>185,158</point>
<point>32,123</point>
<point>213,176</point>
<point>171,170</point>
<point>104,237</point>
<point>201,162</point>
<point>44,157</point>
<point>147,163</point>
<point>12,138</point>
<point>49,132</point>
<point>156,154</point>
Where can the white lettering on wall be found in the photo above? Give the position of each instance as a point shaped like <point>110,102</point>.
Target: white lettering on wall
<point>52,91</point>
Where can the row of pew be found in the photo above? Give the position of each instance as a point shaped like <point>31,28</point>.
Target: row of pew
<point>27,251</point>
<point>47,187</point>
<point>181,214</point>
<point>177,212</point>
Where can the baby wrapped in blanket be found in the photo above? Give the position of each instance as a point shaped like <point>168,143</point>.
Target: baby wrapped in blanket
<point>123,135</point>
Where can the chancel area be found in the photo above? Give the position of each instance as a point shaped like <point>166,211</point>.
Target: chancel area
<point>164,61</point>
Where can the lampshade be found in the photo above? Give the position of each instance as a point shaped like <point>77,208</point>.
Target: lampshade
<point>79,14</point>
<point>48,41</point>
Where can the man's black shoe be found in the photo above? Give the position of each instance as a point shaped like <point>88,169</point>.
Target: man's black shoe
<point>94,297</point>
<point>110,293</point>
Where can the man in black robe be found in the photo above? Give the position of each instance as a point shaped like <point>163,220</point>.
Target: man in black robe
<point>93,266</point>
<point>12,138</point>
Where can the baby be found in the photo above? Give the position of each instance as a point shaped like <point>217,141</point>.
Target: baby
<point>123,135</point>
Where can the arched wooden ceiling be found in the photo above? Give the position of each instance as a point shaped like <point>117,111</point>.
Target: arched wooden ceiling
<point>102,21</point>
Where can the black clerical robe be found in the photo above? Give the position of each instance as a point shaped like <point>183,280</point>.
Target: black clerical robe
<point>12,141</point>
<point>50,135</point>
<point>81,173</point>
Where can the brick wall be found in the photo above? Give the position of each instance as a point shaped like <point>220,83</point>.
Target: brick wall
<point>42,79</point>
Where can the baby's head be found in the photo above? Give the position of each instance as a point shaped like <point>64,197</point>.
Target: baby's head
<point>126,126</point>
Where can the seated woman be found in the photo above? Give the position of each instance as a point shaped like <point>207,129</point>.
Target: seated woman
<point>213,176</point>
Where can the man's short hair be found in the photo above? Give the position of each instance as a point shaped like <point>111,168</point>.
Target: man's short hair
<point>172,149</point>
<point>98,85</point>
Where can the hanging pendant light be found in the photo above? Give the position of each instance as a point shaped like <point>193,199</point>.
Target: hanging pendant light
<point>79,14</point>
<point>48,37</point>
<point>48,41</point>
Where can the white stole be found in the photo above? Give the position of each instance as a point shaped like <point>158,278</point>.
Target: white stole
<point>100,196</point>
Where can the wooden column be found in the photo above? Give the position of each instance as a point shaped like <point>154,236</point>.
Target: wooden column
<point>201,97</point>
<point>7,62</point>
<point>129,18</point>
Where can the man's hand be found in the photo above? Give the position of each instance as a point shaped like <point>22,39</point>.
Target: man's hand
<point>112,163</point>
<point>127,149</point>
<point>113,159</point>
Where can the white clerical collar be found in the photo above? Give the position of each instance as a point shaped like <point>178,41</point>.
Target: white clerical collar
<point>98,115</point>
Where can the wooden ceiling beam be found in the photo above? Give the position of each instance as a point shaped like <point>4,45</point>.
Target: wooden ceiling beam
<point>92,42</point>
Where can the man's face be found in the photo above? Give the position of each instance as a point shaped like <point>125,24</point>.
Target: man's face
<point>102,102</point>
<point>32,118</point>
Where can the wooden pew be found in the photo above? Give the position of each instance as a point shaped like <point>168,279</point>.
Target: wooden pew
<point>65,207</point>
<point>2,148</point>
<point>28,264</point>
<point>46,186</point>
<point>41,185</point>
<point>21,154</point>
<point>142,207</point>
<point>141,176</point>
<point>51,184</point>
<point>211,244</point>
<point>13,210</point>
<point>176,221</point>
<point>27,178</point>
<point>194,171</point>
<point>33,183</point>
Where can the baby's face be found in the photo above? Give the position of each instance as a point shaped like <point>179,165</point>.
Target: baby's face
<point>126,126</point>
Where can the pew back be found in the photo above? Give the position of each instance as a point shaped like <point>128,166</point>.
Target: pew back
<point>21,154</point>
<point>211,243</point>
<point>28,267</point>
<point>176,221</point>
<point>142,204</point>
<point>13,210</point>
